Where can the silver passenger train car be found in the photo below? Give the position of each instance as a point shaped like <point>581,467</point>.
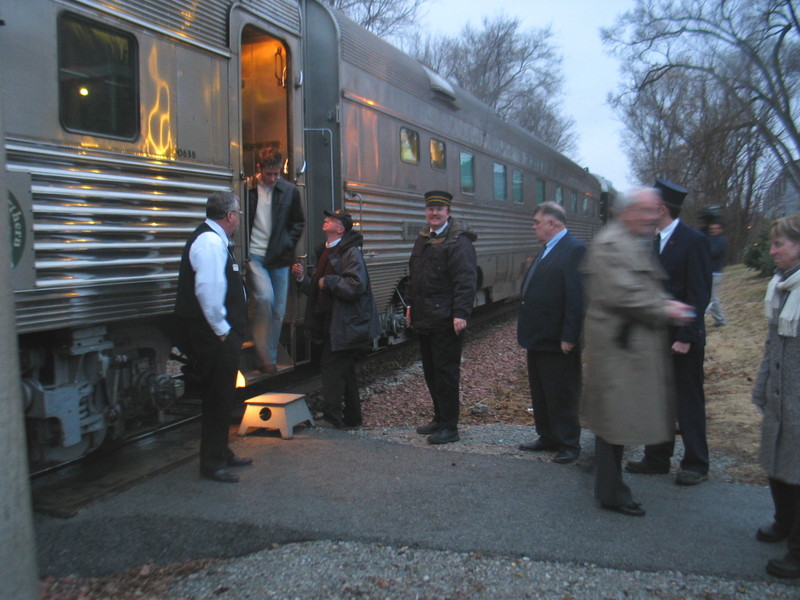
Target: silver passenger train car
<point>120,117</point>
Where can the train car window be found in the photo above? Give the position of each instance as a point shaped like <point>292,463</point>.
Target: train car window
<point>573,203</point>
<point>97,79</point>
<point>539,191</point>
<point>559,195</point>
<point>409,146</point>
<point>499,179</point>
<point>467,173</point>
<point>586,206</point>
<point>516,186</point>
<point>438,155</point>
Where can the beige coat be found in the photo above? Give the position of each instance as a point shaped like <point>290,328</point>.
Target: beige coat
<point>628,388</point>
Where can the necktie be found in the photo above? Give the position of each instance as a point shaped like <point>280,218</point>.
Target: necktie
<point>529,274</point>
<point>657,245</point>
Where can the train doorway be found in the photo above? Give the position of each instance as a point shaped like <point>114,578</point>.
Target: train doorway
<point>264,96</point>
<point>266,123</point>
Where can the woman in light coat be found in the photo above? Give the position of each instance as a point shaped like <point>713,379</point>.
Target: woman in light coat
<point>777,395</point>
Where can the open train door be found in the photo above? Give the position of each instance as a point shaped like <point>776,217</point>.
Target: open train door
<point>266,111</point>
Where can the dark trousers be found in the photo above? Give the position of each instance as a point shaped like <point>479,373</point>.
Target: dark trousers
<point>216,363</point>
<point>555,380</point>
<point>786,497</point>
<point>691,409</point>
<point>441,364</point>
<point>340,385</point>
<point>609,489</point>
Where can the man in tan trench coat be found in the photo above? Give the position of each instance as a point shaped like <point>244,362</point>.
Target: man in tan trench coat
<point>628,391</point>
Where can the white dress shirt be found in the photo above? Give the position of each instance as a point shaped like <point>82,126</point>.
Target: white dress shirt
<point>209,257</point>
<point>665,233</point>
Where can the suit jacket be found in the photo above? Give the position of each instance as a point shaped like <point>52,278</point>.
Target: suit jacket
<point>552,305</point>
<point>287,221</point>
<point>686,259</point>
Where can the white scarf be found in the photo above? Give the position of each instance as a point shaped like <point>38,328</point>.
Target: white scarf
<point>790,315</point>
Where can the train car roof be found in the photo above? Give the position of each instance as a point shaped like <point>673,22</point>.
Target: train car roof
<point>376,56</point>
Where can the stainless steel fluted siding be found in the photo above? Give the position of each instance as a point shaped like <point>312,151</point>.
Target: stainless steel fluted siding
<point>201,21</point>
<point>108,233</point>
<point>505,238</point>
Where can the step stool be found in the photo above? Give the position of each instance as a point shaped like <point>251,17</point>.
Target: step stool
<point>276,411</point>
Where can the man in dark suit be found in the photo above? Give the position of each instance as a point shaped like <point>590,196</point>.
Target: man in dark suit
<point>549,328</point>
<point>685,255</point>
<point>276,222</point>
<point>211,316</point>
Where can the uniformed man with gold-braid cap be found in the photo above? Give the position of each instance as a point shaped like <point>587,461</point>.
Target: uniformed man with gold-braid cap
<point>443,279</point>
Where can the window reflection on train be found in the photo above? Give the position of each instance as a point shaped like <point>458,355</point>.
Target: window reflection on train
<point>120,118</point>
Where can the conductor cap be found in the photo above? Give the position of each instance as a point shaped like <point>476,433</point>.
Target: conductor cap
<point>671,193</point>
<point>438,198</point>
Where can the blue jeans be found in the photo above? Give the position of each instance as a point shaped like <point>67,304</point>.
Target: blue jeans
<point>269,287</point>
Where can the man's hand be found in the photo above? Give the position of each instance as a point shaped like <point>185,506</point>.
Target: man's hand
<point>681,347</point>
<point>298,272</point>
<point>459,325</point>
<point>567,347</point>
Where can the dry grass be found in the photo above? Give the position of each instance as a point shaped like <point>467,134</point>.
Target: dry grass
<point>733,355</point>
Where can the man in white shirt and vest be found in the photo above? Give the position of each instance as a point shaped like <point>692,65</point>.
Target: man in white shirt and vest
<point>211,314</point>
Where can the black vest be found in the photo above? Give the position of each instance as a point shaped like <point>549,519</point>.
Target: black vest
<point>186,304</point>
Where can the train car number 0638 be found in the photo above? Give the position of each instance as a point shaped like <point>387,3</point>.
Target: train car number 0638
<point>184,153</point>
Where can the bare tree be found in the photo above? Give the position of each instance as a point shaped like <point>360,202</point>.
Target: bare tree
<point>384,18</point>
<point>749,48</point>
<point>685,127</point>
<point>514,72</point>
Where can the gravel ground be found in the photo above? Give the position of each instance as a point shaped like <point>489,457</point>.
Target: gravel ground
<point>351,570</point>
<point>495,419</point>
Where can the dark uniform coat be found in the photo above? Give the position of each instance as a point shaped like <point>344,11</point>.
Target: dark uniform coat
<point>443,278</point>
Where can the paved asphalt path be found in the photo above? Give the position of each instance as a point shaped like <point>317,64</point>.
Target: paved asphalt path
<point>331,485</point>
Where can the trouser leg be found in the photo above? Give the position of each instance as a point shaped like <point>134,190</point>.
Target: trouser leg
<point>715,306</point>
<point>609,488</point>
<point>262,296</point>
<point>555,380</point>
<point>337,375</point>
<point>691,411</point>
<point>786,498</point>
<point>441,362</point>
<point>280,287</point>
<point>219,363</point>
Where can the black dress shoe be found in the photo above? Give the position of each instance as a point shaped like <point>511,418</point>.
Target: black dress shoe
<point>786,567</point>
<point>771,533</point>
<point>444,436</point>
<point>236,461</point>
<point>428,428</point>
<point>568,456</point>
<point>690,477</point>
<point>645,468</point>
<point>539,445</point>
<point>634,509</point>
<point>221,475</point>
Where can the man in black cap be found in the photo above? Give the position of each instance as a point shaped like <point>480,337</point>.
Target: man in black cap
<point>685,255</point>
<point>443,280</point>
<point>341,316</point>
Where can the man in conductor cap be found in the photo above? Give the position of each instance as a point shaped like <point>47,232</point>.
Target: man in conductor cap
<point>443,280</point>
<point>685,256</point>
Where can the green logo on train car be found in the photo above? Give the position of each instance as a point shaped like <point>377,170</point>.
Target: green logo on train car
<point>16,222</point>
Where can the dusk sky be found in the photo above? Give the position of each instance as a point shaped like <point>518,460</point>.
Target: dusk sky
<point>589,72</point>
